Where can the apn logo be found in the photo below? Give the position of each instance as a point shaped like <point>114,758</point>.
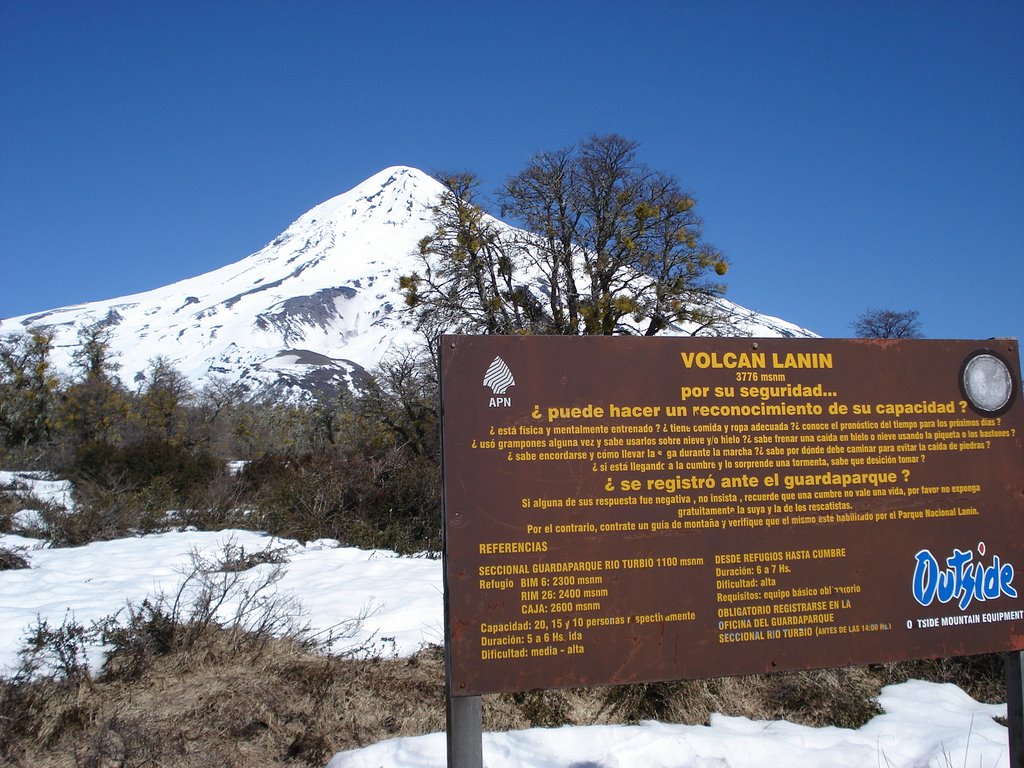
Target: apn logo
<point>499,378</point>
<point>962,579</point>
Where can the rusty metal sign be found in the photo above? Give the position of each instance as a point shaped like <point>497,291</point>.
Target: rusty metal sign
<point>622,509</point>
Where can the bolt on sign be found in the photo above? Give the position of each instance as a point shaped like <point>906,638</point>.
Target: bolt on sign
<point>623,509</point>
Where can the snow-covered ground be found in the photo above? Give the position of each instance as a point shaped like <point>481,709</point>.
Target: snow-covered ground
<point>924,724</point>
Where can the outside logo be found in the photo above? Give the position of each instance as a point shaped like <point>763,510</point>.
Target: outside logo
<point>498,377</point>
<point>962,578</point>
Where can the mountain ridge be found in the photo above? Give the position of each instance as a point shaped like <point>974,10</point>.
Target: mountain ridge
<point>313,308</point>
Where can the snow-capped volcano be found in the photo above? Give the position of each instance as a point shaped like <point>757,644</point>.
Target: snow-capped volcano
<point>319,301</point>
<point>315,305</point>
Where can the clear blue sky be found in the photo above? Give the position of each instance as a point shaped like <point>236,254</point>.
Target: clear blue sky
<point>844,155</point>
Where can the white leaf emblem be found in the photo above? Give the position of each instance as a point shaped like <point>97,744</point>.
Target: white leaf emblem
<point>498,377</point>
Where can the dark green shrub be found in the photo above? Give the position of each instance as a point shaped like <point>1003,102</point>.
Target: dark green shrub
<point>386,501</point>
<point>543,708</point>
<point>10,504</point>
<point>668,701</point>
<point>13,558</point>
<point>152,462</point>
<point>122,490</point>
<point>845,697</point>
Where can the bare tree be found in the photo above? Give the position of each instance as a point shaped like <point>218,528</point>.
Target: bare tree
<point>887,324</point>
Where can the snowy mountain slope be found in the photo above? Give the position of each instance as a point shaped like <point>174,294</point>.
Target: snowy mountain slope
<point>314,306</point>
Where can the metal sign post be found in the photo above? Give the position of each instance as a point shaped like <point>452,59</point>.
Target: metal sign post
<point>465,732</point>
<point>1015,706</point>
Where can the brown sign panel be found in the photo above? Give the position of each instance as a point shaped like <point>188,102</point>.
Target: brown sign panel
<point>627,509</point>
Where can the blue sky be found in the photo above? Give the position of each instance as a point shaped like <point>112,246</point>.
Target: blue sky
<point>844,155</point>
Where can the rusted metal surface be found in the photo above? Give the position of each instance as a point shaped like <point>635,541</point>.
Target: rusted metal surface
<point>622,509</point>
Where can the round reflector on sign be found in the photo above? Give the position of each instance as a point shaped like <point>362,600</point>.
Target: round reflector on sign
<point>987,382</point>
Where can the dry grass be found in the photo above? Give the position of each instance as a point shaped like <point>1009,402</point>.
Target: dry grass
<point>282,702</point>
<point>185,686</point>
